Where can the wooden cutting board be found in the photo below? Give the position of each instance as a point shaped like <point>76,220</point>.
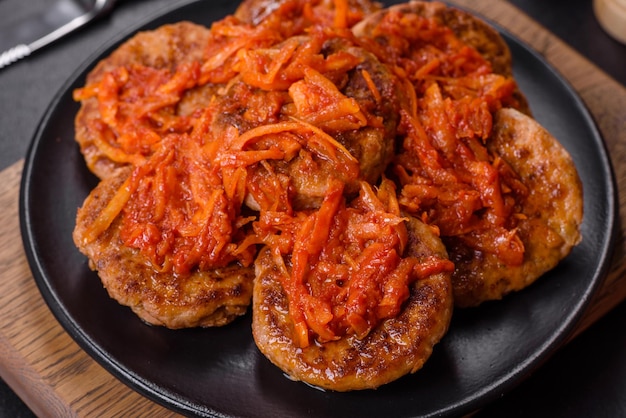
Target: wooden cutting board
<point>50,372</point>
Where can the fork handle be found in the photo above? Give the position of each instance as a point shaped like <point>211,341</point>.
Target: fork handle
<point>14,54</point>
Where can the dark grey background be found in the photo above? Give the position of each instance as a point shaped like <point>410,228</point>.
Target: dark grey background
<point>585,379</point>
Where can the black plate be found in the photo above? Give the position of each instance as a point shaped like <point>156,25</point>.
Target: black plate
<point>219,372</point>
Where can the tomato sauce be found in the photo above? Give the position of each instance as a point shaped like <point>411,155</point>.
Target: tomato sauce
<point>344,266</point>
<point>448,175</point>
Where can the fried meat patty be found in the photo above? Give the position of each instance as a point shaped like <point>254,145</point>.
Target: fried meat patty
<point>373,147</point>
<point>552,213</point>
<point>534,156</point>
<point>394,348</point>
<point>255,11</point>
<point>470,29</point>
<point>164,48</point>
<point>300,150</point>
<point>199,299</point>
<point>370,142</point>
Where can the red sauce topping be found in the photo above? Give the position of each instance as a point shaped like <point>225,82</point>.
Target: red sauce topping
<point>448,175</point>
<point>344,266</point>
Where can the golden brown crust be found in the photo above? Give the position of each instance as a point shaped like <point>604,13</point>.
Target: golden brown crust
<point>162,48</point>
<point>553,212</point>
<point>202,298</point>
<point>395,348</point>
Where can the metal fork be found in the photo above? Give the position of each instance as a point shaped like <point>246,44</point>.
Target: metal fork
<point>98,9</point>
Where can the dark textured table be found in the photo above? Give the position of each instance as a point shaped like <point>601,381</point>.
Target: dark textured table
<point>587,378</point>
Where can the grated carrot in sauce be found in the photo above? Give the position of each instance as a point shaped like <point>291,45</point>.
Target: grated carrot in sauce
<point>175,210</point>
<point>346,269</point>
<point>192,173</point>
<point>137,107</point>
<point>279,99</point>
<point>448,176</point>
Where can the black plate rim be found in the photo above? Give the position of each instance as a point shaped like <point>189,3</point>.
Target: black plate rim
<point>171,400</point>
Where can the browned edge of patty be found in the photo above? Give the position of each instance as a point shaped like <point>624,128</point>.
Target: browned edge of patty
<point>393,349</point>
<point>469,28</point>
<point>553,212</point>
<point>200,299</point>
<point>163,48</point>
